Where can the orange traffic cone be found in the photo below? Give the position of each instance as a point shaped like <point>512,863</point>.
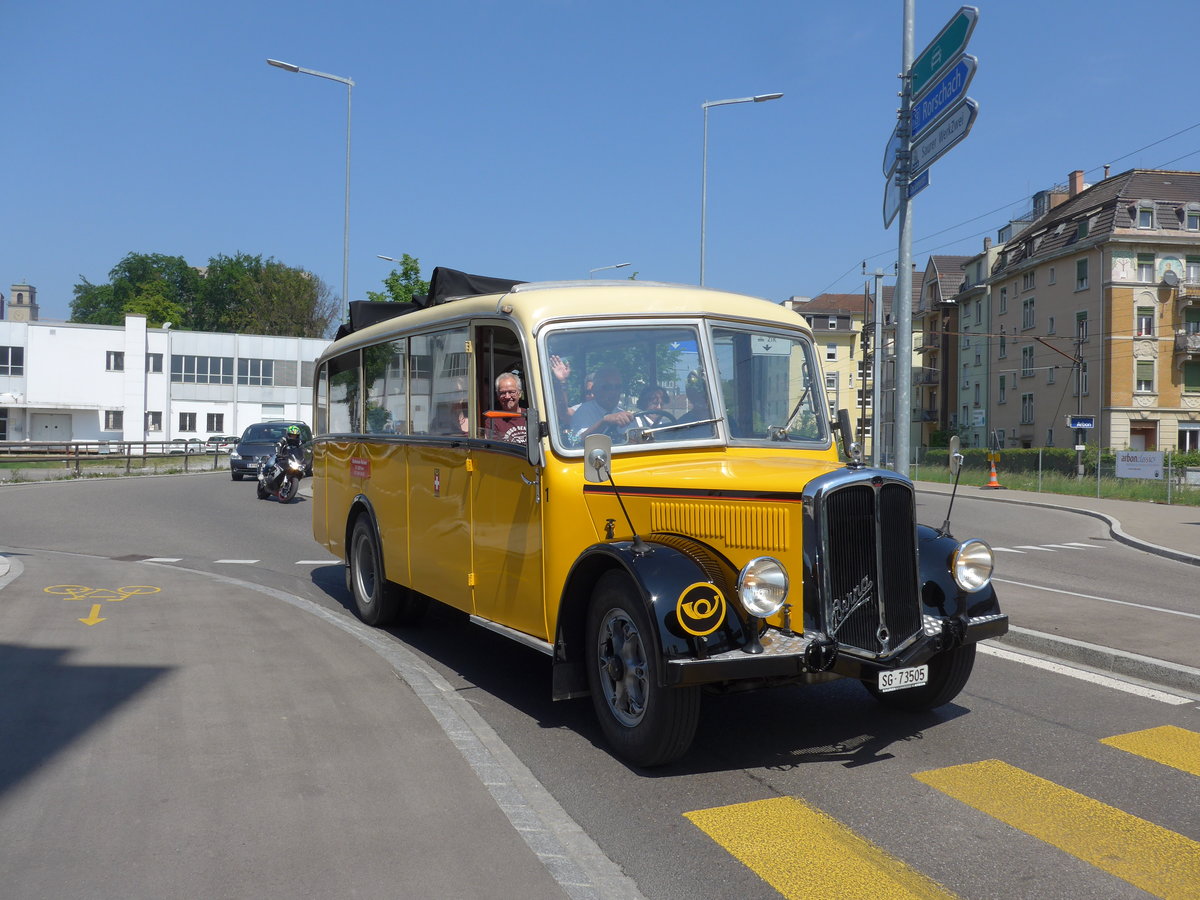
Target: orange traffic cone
<point>992,482</point>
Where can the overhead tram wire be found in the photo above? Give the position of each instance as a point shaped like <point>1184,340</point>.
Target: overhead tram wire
<point>1022,200</point>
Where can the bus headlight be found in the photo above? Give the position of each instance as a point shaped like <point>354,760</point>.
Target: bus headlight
<point>972,565</point>
<point>762,586</point>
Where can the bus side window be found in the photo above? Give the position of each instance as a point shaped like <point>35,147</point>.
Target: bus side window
<point>345,395</point>
<point>498,352</point>
<point>386,384</point>
<point>438,383</point>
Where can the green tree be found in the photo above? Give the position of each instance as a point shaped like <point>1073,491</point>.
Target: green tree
<point>154,303</point>
<point>95,304</point>
<point>400,285</point>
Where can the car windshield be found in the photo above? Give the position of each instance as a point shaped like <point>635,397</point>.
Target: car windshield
<point>682,383</point>
<point>271,432</point>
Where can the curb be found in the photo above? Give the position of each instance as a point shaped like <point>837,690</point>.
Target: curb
<point>1105,660</point>
<point>1114,525</point>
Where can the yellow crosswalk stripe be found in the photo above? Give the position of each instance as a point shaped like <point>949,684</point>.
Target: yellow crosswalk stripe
<point>1149,857</point>
<point>807,855</point>
<point>1168,744</point>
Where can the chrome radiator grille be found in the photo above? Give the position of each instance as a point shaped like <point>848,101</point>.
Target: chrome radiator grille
<point>870,556</point>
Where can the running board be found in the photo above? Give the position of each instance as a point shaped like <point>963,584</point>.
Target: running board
<point>519,636</point>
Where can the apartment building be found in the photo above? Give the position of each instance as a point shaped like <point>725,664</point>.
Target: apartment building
<point>61,381</point>
<point>974,337</point>
<point>1096,311</point>
<point>934,329</point>
<point>837,324</point>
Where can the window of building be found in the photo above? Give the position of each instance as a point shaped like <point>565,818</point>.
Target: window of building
<point>187,421</point>
<point>1081,230</point>
<point>154,420</point>
<point>215,423</point>
<point>1145,321</point>
<point>1028,280</point>
<point>154,362</point>
<point>1145,267</point>
<point>976,400</point>
<point>1003,300</point>
<point>1003,346</point>
<point>978,360</point>
<point>12,360</point>
<point>1081,274</point>
<point>201,369</point>
<point>1049,324</point>
<point>1192,270</point>
<point>832,322</point>
<point>1028,318</point>
<point>256,371</point>
<point>1145,215</point>
<point>831,381</point>
<point>3,424</point>
<point>1002,395</point>
<point>1145,376</point>
<point>114,361</point>
<point>831,351</point>
<point>1050,377</point>
<point>1027,409</point>
<point>999,438</point>
<point>1052,279</point>
<point>1026,362</point>
<point>113,420</point>
<point>1081,325</point>
<point>1049,437</point>
<point>1192,220</point>
<point>1191,377</point>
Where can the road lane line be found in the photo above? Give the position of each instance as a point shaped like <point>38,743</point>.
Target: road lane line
<point>237,562</point>
<point>1034,547</point>
<point>1007,550</point>
<point>1084,675</point>
<point>162,559</point>
<point>1038,587</point>
<point>1148,856</point>
<point>782,838</point>
<point>318,562</point>
<point>1168,744</point>
<point>1081,546</point>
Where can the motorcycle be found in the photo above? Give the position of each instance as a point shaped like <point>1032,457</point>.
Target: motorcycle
<point>279,477</point>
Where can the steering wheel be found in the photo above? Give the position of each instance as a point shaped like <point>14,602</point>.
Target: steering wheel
<point>652,418</point>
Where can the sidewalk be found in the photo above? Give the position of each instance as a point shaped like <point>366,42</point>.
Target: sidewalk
<point>1097,643</point>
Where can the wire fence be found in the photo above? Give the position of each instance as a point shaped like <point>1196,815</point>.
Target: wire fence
<point>48,460</point>
<point>1056,470</point>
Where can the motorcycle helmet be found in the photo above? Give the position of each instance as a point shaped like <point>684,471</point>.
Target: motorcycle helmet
<point>293,434</point>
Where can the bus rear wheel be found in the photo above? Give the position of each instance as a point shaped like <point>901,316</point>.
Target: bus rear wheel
<point>377,601</point>
<point>647,724</point>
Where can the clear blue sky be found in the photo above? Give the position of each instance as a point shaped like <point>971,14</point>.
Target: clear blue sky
<point>538,139</point>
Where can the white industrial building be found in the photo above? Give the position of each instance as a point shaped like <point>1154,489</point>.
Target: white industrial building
<point>61,381</point>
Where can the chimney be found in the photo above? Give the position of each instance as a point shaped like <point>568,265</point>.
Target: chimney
<point>1076,181</point>
<point>987,244</point>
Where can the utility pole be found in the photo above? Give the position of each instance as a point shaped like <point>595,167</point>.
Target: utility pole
<point>1077,370</point>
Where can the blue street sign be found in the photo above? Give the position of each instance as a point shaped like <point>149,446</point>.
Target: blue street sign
<point>918,184</point>
<point>1077,422</point>
<point>891,153</point>
<point>939,139</point>
<point>943,94</point>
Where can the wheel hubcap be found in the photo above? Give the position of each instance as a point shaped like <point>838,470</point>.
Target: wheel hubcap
<point>621,657</point>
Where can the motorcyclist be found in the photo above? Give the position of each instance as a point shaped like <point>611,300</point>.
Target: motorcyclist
<point>288,446</point>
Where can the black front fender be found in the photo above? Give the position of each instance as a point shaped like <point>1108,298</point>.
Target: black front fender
<point>977,611</point>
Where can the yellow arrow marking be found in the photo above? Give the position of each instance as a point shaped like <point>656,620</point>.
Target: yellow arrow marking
<point>95,618</point>
<point>1146,855</point>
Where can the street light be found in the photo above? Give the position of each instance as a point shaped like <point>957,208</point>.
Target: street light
<point>592,272</point>
<point>349,83</point>
<point>757,98</point>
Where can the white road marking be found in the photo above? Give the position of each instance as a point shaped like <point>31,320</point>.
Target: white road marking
<point>318,562</point>
<point>1007,550</point>
<point>1080,546</point>
<point>1032,547</point>
<point>237,562</point>
<point>1082,675</point>
<point>163,559</point>
<point>1038,587</point>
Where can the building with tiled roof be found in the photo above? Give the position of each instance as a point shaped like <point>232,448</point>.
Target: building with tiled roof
<point>1096,311</point>
<point>934,324</point>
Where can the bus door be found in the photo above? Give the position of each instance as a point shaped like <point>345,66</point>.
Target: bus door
<point>438,490</point>
<point>506,515</point>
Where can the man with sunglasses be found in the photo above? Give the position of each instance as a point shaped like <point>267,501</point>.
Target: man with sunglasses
<point>603,412</point>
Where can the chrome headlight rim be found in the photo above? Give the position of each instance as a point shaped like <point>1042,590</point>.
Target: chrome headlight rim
<point>972,565</point>
<point>762,586</point>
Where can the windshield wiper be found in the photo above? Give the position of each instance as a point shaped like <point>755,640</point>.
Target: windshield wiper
<point>780,432</point>
<point>644,435</point>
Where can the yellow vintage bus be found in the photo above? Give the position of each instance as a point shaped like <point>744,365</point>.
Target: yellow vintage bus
<point>641,481</point>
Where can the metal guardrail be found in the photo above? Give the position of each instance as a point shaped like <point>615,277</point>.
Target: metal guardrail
<point>103,457</point>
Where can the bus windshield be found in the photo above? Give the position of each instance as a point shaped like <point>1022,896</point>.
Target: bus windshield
<point>643,384</point>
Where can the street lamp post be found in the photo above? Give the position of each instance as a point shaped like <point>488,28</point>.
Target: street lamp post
<point>349,83</point>
<point>757,98</point>
<point>592,272</point>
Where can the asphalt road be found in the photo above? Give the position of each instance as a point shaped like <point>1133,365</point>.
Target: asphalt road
<point>149,784</point>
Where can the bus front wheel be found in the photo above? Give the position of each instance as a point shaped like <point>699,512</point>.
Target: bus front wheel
<point>646,724</point>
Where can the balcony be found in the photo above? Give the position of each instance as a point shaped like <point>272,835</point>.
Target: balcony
<point>926,375</point>
<point>929,343</point>
<point>1187,343</point>
<point>925,415</point>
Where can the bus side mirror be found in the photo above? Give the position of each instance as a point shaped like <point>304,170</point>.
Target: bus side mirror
<point>533,437</point>
<point>597,455</point>
<point>956,457</point>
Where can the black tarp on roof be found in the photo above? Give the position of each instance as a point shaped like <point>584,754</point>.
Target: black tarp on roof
<point>444,284</point>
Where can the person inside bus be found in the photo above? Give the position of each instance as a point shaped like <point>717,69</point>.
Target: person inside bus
<point>508,422</point>
<point>603,412</point>
<point>653,399</point>
<point>699,408</point>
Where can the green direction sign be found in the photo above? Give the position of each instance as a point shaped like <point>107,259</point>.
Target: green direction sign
<point>943,49</point>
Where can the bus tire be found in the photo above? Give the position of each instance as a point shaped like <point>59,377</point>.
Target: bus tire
<point>374,603</point>
<point>948,674</point>
<point>646,724</point>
